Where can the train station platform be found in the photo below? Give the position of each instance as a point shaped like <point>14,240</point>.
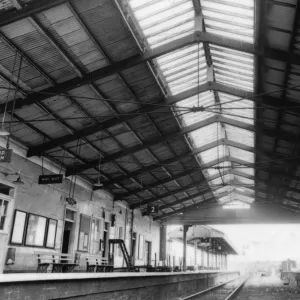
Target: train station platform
<point>109,285</point>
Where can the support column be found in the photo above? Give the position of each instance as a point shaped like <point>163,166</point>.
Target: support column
<point>163,243</point>
<point>195,254</point>
<point>225,262</point>
<point>208,266</point>
<point>185,229</point>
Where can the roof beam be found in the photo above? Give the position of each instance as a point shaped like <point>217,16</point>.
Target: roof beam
<point>168,194</point>
<point>31,8</point>
<point>37,150</point>
<point>148,56</point>
<point>161,164</point>
<point>157,183</point>
<point>194,184</point>
<point>272,102</point>
<point>177,133</point>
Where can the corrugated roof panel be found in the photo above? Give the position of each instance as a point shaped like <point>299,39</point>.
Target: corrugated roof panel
<point>104,21</point>
<point>163,21</point>
<point>36,46</point>
<point>186,68</point>
<point>238,18</point>
<point>66,29</point>
<point>236,108</point>
<point>225,166</point>
<point>205,135</point>
<point>233,68</point>
<point>180,69</point>
<point>278,40</point>
<point>203,99</point>
<point>240,135</point>
<point>281,17</point>
<point>241,154</point>
<point>212,154</point>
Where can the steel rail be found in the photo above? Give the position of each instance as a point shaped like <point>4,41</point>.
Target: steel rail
<point>202,293</point>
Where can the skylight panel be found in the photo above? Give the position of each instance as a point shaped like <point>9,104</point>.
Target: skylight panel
<point>163,21</point>
<point>240,135</point>
<point>236,205</point>
<point>241,154</point>
<point>205,135</point>
<point>213,154</point>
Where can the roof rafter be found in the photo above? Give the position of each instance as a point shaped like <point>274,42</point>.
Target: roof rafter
<point>177,133</point>
<point>150,55</point>
<point>31,8</point>
<point>170,193</point>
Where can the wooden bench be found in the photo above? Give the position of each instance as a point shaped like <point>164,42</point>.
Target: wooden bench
<point>98,264</point>
<point>60,262</point>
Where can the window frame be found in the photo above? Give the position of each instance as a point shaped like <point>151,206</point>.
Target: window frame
<point>13,226</point>
<point>92,241</point>
<point>25,230</point>
<point>89,236</point>
<point>7,211</point>
<point>45,231</point>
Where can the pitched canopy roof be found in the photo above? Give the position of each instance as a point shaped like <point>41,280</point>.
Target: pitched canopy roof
<point>179,102</point>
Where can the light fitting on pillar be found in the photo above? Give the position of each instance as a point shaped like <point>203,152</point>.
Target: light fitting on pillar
<point>3,131</point>
<point>18,181</point>
<point>98,184</point>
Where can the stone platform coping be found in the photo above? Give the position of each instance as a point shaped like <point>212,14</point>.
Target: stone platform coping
<point>27,277</point>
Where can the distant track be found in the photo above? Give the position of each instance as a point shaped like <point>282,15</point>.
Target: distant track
<point>222,291</point>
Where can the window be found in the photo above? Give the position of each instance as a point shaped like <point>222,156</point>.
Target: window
<point>36,229</point>
<point>3,212</point>
<point>33,230</point>
<point>51,233</point>
<point>96,236</point>
<point>84,233</point>
<point>18,227</point>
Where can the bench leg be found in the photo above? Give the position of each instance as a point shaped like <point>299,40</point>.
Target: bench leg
<point>57,268</point>
<point>42,268</point>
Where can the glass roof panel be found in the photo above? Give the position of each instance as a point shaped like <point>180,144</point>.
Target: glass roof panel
<point>241,154</point>
<point>205,135</point>
<point>162,21</point>
<point>237,15</point>
<point>240,135</point>
<point>212,154</point>
<point>235,204</point>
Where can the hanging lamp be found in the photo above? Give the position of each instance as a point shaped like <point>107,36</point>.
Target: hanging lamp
<point>18,181</point>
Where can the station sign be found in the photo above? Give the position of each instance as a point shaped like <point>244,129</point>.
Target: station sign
<point>5,155</point>
<point>153,209</point>
<point>50,179</point>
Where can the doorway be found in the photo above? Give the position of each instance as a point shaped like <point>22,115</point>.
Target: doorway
<point>105,240</point>
<point>69,232</point>
<point>66,237</point>
<point>147,256</point>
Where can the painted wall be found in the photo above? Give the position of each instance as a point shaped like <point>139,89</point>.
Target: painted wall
<point>49,201</point>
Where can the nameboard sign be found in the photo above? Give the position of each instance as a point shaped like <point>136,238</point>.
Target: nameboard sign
<point>50,179</point>
<point>153,209</point>
<point>5,155</point>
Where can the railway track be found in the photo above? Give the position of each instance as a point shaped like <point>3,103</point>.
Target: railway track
<point>224,291</point>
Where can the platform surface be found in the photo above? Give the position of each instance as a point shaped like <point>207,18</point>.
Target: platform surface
<point>23,277</point>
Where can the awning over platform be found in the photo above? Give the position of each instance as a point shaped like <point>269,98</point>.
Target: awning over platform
<point>207,238</point>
